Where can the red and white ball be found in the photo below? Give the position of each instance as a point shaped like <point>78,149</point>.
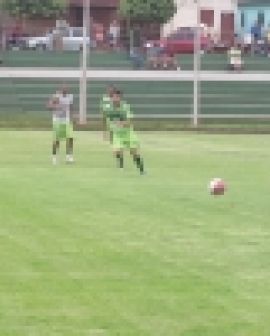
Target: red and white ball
<point>217,186</point>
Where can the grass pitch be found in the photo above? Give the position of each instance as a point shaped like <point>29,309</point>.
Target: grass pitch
<point>88,250</point>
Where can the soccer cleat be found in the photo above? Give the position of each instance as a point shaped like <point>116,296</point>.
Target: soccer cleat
<point>69,159</point>
<point>54,160</point>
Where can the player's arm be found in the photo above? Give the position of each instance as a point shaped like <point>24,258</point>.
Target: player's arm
<point>129,116</point>
<point>72,113</point>
<point>103,117</point>
<point>104,121</point>
<point>51,104</point>
<point>105,126</point>
<point>71,109</point>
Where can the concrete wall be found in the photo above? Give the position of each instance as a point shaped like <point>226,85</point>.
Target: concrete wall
<point>186,15</point>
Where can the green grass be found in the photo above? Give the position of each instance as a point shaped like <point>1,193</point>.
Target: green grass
<point>89,250</point>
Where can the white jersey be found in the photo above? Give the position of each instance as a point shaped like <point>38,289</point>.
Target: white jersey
<point>62,111</point>
<point>235,55</point>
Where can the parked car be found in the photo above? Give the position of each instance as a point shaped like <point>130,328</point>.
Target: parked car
<point>72,39</point>
<point>15,41</point>
<point>181,42</point>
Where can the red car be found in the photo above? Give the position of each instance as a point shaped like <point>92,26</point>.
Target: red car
<point>182,42</point>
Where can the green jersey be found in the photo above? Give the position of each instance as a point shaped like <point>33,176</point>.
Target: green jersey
<point>116,115</point>
<point>105,103</point>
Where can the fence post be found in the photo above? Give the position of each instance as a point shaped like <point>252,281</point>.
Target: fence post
<point>197,66</point>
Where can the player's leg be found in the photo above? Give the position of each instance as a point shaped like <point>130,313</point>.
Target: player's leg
<point>69,143</point>
<point>118,150</point>
<point>55,150</point>
<point>137,158</point>
<point>69,150</point>
<point>119,155</point>
<point>56,143</point>
<point>133,145</point>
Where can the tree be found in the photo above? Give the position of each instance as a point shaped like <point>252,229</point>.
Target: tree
<point>158,11</point>
<point>35,8</point>
<point>143,19</point>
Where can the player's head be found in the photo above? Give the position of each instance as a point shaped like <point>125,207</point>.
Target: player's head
<point>116,97</point>
<point>110,90</point>
<point>64,89</point>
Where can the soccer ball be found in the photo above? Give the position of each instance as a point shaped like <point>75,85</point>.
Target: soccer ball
<point>217,187</point>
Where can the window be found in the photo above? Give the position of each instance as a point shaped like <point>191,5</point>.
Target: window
<point>78,32</point>
<point>64,32</point>
<point>242,19</point>
<point>208,17</point>
<point>261,18</point>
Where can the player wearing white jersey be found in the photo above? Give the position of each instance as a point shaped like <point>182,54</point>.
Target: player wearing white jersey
<point>61,104</point>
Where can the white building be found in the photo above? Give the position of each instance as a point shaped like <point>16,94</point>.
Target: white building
<point>217,15</point>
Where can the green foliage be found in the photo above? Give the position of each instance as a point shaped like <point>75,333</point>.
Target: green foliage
<point>35,8</point>
<point>148,10</point>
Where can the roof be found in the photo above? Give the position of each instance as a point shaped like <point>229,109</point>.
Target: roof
<point>254,3</point>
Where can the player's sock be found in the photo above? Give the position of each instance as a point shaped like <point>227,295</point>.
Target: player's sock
<point>69,147</point>
<point>54,152</point>
<point>120,159</point>
<point>139,163</point>
<point>69,151</point>
<point>55,147</point>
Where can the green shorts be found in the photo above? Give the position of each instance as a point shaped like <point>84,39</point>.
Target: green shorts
<point>127,140</point>
<point>62,131</point>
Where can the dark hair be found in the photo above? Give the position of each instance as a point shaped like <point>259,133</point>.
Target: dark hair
<point>118,92</point>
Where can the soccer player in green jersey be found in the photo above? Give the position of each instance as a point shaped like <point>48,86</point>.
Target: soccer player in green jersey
<point>120,123</point>
<point>105,106</point>
<point>60,104</point>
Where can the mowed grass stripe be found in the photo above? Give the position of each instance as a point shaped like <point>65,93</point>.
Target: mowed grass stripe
<point>89,250</point>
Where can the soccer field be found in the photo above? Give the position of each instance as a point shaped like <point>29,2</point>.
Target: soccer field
<point>88,250</point>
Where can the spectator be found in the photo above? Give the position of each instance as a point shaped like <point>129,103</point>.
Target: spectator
<point>153,53</point>
<point>137,57</point>
<point>235,57</point>
<point>267,42</point>
<point>14,40</point>
<point>99,35</point>
<point>167,61</point>
<point>137,38</point>
<point>114,34</point>
<point>256,33</point>
<point>210,47</point>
